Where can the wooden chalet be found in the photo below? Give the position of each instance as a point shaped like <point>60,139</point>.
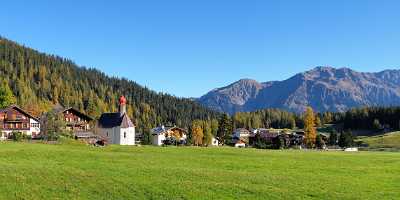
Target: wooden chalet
<point>76,121</point>
<point>15,119</point>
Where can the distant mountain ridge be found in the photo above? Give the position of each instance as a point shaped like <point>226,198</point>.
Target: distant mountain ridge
<point>323,88</point>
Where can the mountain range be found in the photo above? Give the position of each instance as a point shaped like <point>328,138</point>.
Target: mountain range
<point>322,88</point>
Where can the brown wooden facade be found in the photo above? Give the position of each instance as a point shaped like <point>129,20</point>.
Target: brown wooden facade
<point>76,120</point>
<point>14,118</point>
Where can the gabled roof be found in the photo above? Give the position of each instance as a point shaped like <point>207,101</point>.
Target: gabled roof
<point>242,130</point>
<point>110,120</point>
<point>20,110</point>
<point>160,130</point>
<point>78,113</point>
<point>61,109</point>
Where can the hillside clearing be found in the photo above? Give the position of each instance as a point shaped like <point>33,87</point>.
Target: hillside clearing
<point>386,141</point>
<point>40,171</point>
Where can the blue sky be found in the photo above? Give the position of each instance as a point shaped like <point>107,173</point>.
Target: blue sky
<point>188,47</point>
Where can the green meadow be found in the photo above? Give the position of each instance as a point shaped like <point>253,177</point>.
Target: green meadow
<point>72,171</point>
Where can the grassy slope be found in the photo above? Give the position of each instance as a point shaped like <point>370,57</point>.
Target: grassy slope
<point>389,140</point>
<point>39,171</point>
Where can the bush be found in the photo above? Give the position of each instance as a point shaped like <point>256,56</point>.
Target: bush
<point>51,136</point>
<point>27,137</point>
<point>18,136</point>
<point>319,142</point>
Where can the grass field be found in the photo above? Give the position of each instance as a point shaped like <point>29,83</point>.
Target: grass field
<point>386,141</point>
<point>43,171</point>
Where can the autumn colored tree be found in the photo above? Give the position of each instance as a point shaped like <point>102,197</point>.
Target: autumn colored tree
<point>197,132</point>
<point>318,122</point>
<point>309,128</point>
<point>6,96</point>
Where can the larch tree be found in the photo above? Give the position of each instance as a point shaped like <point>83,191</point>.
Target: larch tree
<point>197,132</point>
<point>6,96</point>
<point>309,128</point>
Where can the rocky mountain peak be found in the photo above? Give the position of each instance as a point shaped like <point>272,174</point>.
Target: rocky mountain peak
<point>324,88</point>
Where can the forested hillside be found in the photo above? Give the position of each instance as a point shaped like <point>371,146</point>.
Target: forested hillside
<point>39,81</point>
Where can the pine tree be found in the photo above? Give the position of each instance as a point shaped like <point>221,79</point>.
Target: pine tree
<point>333,138</point>
<point>319,143</point>
<point>346,139</point>
<point>225,129</point>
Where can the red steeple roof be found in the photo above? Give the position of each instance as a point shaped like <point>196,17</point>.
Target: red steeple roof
<point>122,100</point>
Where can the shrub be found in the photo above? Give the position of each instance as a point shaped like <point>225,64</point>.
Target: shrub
<point>17,136</point>
<point>319,142</point>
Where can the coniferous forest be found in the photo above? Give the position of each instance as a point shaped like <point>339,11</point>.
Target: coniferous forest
<point>39,81</point>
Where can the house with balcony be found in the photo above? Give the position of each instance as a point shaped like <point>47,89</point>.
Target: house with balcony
<point>15,119</point>
<point>75,120</point>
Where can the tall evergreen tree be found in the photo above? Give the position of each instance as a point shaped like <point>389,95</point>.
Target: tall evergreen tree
<point>346,139</point>
<point>333,138</point>
<point>225,128</point>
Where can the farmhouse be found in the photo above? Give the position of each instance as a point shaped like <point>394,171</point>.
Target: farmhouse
<point>117,127</point>
<point>76,121</point>
<point>161,134</point>
<point>14,119</point>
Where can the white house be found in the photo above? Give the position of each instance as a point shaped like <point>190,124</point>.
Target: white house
<point>161,133</point>
<point>15,119</point>
<point>117,128</point>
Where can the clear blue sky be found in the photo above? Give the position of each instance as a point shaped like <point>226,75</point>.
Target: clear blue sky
<point>188,47</point>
